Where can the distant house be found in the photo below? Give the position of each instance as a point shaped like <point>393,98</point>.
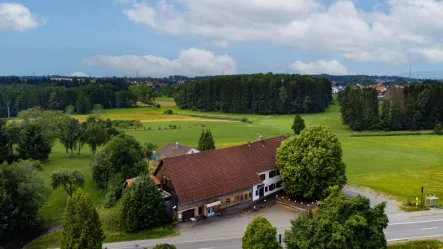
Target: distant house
<point>173,150</point>
<point>203,184</point>
<point>129,182</point>
<point>381,89</point>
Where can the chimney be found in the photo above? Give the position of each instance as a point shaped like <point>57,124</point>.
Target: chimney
<point>260,138</point>
<point>176,145</point>
<point>249,143</point>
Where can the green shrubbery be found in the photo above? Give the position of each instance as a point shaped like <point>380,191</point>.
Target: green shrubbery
<point>127,124</point>
<point>243,119</point>
<point>424,244</point>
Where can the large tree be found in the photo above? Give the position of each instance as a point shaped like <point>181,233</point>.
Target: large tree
<point>143,206</point>
<point>70,134</point>
<point>311,163</point>
<point>69,179</point>
<point>5,148</point>
<point>81,224</point>
<point>22,194</point>
<point>206,141</point>
<point>123,154</point>
<point>340,223</point>
<point>95,135</point>
<point>298,125</point>
<point>260,234</point>
<point>33,143</point>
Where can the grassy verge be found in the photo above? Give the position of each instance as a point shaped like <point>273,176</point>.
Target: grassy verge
<point>49,240</point>
<point>243,119</point>
<point>424,244</point>
<point>390,133</point>
<point>409,208</point>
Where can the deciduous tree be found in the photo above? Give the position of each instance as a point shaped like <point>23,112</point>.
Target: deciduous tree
<point>5,148</point>
<point>298,125</point>
<point>260,234</point>
<point>438,129</point>
<point>340,223</point>
<point>311,163</point>
<point>69,179</point>
<point>143,206</point>
<point>33,143</point>
<point>81,224</point>
<point>70,134</point>
<point>165,246</point>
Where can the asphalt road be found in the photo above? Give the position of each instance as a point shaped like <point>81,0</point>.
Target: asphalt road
<point>427,227</point>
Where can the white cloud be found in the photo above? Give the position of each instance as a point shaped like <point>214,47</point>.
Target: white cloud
<point>78,74</point>
<point>320,67</point>
<point>16,17</point>
<point>190,62</point>
<point>339,26</point>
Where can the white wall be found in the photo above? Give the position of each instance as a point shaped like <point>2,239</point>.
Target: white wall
<point>268,181</point>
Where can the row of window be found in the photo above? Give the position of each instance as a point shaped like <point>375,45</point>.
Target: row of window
<point>239,198</point>
<point>270,187</point>
<point>272,174</point>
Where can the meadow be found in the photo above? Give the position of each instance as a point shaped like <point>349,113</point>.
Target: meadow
<point>395,165</point>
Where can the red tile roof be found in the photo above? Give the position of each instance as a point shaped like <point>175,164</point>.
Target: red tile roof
<point>129,182</point>
<point>217,172</point>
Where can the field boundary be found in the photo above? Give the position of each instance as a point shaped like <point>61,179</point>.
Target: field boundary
<point>391,134</point>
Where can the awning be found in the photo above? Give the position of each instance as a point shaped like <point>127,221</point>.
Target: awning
<point>212,204</point>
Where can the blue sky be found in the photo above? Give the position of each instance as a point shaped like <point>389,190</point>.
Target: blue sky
<point>199,37</point>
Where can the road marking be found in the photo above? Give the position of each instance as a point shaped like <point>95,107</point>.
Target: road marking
<point>414,222</point>
<point>422,237</point>
<point>429,228</point>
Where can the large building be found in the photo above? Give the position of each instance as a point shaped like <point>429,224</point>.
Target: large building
<point>205,183</point>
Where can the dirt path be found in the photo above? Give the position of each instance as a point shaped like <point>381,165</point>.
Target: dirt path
<point>392,206</point>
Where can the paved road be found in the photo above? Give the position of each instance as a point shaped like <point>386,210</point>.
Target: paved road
<point>417,228</point>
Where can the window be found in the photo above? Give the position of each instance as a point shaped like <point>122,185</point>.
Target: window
<point>237,198</point>
<point>278,172</point>
<point>263,177</point>
<point>241,197</point>
<point>272,174</point>
<point>200,210</point>
<point>250,194</point>
<point>246,196</point>
<point>256,192</point>
<point>271,187</point>
<point>266,189</point>
<point>279,184</point>
<point>228,201</point>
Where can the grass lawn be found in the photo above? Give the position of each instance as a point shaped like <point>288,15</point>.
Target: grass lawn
<point>396,165</point>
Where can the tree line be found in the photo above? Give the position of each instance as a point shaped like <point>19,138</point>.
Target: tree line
<point>77,95</point>
<point>413,107</point>
<point>257,93</point>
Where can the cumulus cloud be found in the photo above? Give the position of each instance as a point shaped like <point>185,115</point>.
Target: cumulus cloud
<point>78,74</point>
<point>337,26</point>
<point>16,17</point>
<point>320,67</point>
<point>190,62</point>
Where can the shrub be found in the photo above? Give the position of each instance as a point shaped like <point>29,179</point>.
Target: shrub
<point>158,105</point>
<point>168,112</point>
<point>245,120</point>
<point>165,246</point>
<point>438,129</point>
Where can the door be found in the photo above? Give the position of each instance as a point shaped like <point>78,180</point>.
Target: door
<point>211,211</point>
<point>262,192</point>
<point>188,214</point>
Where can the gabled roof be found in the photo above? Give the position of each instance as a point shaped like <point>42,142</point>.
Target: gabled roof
<point>217,172</point>
<point>173,149</point>
<point>130,181</point>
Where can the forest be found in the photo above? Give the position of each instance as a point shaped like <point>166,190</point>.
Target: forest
<point>413,107</point>
<point>256,93</point>
<point>81,95</point>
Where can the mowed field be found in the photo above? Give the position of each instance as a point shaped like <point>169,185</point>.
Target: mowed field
<point>395,165</point>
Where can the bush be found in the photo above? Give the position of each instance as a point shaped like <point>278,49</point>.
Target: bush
<point>438,129</point>
<point>245,120</point>
<point>158,105</point>
<point>425,244</point>
<point>168,112</point>
<point>165,246</point>
<point>114,190</point>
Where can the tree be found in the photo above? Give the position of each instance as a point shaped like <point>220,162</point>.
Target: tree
<point>22,193</point>
<point>438,129</point>
<point>83,103</point>
<point>165,246</point>
<point>33,144</point>
<point>81,224</point>
<point>70,109</point>
<point>12,129</point>
<point>143,206</point>
<point>206,141</point>
<point>340,223</point>
<point>311,163</point>
<point>70,134</point>
<point>5,148</point>
<point>98,110</point>
<point>95,135</point>
<point>149,150</point>
<point>299,124</point>
<point>69,179</point>
<point>123,154</point>
<point>260,235</point>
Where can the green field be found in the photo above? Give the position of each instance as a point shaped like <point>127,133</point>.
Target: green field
<point>395,165</point>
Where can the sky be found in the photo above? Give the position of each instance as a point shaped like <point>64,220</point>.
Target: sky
<point>213,37</point>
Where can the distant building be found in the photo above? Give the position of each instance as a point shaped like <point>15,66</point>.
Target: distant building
<point>60,79</point>
<point>173,150</point>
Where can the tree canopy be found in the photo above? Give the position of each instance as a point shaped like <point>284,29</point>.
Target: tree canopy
<point>22,194</point>
<point>143,206</point>
<point>33,144</point>
<point>257,93</point>
<point>123,154</point>
<point>206,141</point>
<point>69,179</point>
<point>311,163</point>
<point>81,224</point>
<point>5,148</point>
<point>340,223</point>
<point>299,124</point>
<point>70,133</point>
<point>165,246</point>
<point>260,234</point>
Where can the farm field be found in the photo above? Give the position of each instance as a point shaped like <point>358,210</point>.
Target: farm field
<point>395,165</point>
